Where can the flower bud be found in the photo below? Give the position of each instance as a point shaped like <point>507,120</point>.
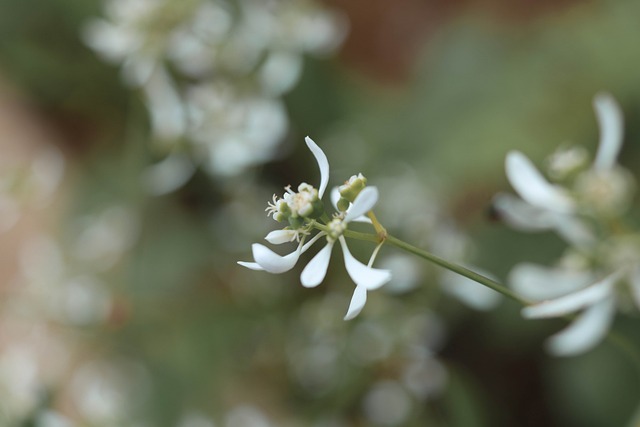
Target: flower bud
<point>343,204</point>
<point>566,162</point>
<point>352,187</point>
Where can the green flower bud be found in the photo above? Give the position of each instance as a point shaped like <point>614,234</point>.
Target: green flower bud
<point>296,222</point>
<point>353,187</point>
<point>343,204</point>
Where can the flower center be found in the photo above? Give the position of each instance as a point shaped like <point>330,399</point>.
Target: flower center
<point>336,228</point>
<point>301,203</point>
<point>607,192</point>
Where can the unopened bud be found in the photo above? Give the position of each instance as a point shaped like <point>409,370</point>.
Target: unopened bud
<point>353,187</point>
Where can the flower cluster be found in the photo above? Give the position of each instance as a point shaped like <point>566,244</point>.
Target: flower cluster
<point>304,211</point>
<point>212,72</point>
<point>585,203</point>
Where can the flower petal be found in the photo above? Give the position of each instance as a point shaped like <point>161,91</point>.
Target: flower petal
<point>574,231</point>
<point>251,265</point>
<point>313,274</point>
<point>533,187</point>
<point>521,215</point>
<point>335,196</point>
<point>323,164</point>
<point>574,301</point>
<point>585,332</point>
<point>363,203</point>
<point>611,127</point>
<point>277,237</point>
<point>358,300</point>
<point>367,277</point>
<point>538,283</point>
<point>271,261</point>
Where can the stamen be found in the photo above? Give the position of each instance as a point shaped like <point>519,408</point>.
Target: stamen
<point>375,254</point>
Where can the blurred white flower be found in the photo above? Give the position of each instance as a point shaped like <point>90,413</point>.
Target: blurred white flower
<point>212,71</point>
<point>588,279</point>
<point>387,403</point>
<point>604,188</point>
<point>109,392</point>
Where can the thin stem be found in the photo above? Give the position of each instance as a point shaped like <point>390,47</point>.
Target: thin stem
<point>457,269</point>
<point>463,271</point>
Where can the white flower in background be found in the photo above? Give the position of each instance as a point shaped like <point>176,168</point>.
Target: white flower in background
<point>109,392</point>
<point>212,72</point>
<point>232,129</point>
<point>603,189</point>
<point>300,209</point>
<point>589,278</point>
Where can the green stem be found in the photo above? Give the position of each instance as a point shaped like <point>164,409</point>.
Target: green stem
<point>463,271</point>
<point>469,274</point>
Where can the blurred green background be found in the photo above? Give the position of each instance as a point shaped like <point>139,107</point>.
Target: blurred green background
<point>125,308</point>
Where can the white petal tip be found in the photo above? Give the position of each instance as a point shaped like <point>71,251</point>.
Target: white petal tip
<point>251,265</point>
<point>323,164</point>
<point>271,261</point>
<point>315,271</point>
<point>358,301</point>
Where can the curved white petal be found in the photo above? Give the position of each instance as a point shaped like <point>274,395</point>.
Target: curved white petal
<point>335,196</point>
<point>367,277</point>
<point>362,218</point>
<point>538,283</point>
<point>521,215</point>
<point>251,265</point>
<point>533,187</point>
<point>313,274</point>
<point>573,230</point>
<point>611,128</point>
<point>323,164</point>
<point>271,261</point>
<point>358,300</point>
<point>574,301</point>
<point>363,203</point>
<point>277,237</point>
<point>585,332</point>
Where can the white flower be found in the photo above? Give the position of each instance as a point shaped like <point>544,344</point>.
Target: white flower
<point>300,207</point>
<point>595,302</point>
<point>265,258</point>
<point>593,197</point>
<point>365,277</point>
<point>603,189</point>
